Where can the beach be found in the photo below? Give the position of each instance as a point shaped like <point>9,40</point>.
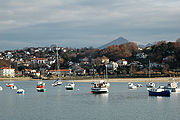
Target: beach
<point>158,79</point>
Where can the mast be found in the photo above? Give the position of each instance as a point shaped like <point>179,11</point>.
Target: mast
<point>57,65</point>
<point>149,70</point>
<point>106,73</point>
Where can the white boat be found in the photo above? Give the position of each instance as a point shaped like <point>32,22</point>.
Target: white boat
<point>139,85</point>
<point>1,88</point>
<point>57,83</point>
<point>172,86</point>
<point>70,86</point>
<point>131,86</point>
<point>99,87</point>
<point>150,85</point>
<point>20,91</point>
<point>14,87</point>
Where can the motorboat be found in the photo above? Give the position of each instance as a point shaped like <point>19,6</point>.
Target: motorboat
<point>159,92</point>
<point>172,86</point>
<point>40,87</point>
<point>20,91</point>
<point>57,83</point>
<point>1,88</point>
<point>99,87</point>
<point>70,86</point>
<point>131,86</point>
<point>10,84</point>
<point>150,85</point>
<point>139,85</point>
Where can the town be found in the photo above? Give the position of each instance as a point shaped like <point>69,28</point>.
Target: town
<point>126,60</point>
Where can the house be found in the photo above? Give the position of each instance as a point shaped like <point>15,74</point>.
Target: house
<point>38,60</point>
<point>141,55</point>
<point>112,65</point>
<point>104,59</point>
<point>7,72</point>
<point>122,62</point>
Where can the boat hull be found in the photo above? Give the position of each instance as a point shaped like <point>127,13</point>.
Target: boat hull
<point>162,93</point>
<point>68,88</point>
<point>99,90</point>
<point>41,89</point>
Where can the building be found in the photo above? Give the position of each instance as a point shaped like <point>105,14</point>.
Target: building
<point>38,60</point>
<point>7,72</point>
<point>122,62</point>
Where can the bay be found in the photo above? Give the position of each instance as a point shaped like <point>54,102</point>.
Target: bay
<point>80,104</point>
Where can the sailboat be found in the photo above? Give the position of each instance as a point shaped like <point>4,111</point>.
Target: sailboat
<point>58,81</point>
<point>100,86</point>
<point>150,85</point>
<point>107,84</point>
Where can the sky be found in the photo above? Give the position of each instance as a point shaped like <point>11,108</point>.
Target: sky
<point>86,23</point>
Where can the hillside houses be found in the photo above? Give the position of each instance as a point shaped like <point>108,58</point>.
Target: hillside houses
<point>42,61</point>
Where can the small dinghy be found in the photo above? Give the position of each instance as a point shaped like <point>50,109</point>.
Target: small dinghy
<point>20,91</point>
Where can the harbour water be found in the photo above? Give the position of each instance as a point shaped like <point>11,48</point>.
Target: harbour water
<point>80,104</point>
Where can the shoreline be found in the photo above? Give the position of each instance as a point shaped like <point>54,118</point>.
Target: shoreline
<point>158,79</point>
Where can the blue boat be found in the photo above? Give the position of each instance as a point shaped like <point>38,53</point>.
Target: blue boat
<point>159,92</point>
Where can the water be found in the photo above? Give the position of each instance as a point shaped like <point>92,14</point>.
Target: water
<point>59,104</point>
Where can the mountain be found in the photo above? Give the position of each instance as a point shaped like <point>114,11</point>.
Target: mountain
<point>117,41</point>
<point>144,46</point>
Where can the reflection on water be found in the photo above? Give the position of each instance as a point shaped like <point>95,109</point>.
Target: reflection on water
<point>102,97</point>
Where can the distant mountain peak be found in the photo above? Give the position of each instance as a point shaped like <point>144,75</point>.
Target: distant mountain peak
<point>120,40</point>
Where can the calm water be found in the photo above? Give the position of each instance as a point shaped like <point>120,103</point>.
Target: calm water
<point>59,104</point>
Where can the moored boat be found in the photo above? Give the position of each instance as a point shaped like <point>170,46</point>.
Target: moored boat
<point>10,84</point>
<point>150,85</point>
<point>70,86</point>
<point>1,88</point>
<point>131,86</point>
<point>57,83</point>
<point>40,87</point>
<point>99,87</point>
<point>159,92</point>
<point>20,91</point>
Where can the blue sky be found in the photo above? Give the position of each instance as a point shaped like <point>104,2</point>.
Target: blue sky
<point>85,23</point>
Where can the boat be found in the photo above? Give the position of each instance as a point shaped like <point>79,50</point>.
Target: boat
<point>159,92</point>
<point>40,87</point>
<point>20,91</point>
<point>99,87</point>
<point>139,85</point>
<point>10,84</point>
<point>70,86</point>
<point>58,82</point>
<point>150,85</point>
<point>107,84</point>
<point>172,86</point>
<point>14,87</point>
<point>1,88</point>
<point>131,86</point>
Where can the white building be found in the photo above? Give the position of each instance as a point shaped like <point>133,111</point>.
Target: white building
<point>122,62</point>
<point>38,60</point>
<point>112,65</point>
<point>7,72</point>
